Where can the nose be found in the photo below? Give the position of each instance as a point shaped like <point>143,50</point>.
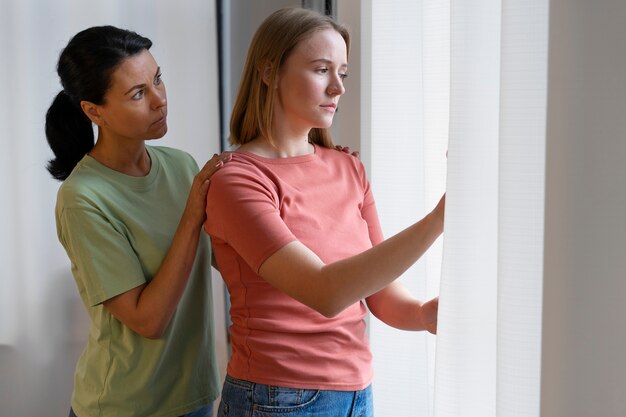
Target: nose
<point>159,97</point>
<point>336,87</point>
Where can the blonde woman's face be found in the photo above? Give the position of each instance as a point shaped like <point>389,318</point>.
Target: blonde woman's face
<point>310,82</point>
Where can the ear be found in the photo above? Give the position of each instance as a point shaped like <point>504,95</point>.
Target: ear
<point>92,111</point>
<point>266,72</point>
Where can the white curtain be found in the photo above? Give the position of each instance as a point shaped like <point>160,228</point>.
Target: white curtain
<point>405,90</point>
<point>488,349</point>
<point>42,323</point>
<point>479,69</point>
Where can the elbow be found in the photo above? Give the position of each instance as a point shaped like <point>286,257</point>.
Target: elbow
<point>331,314</point>
<point>151,331</point>
<point>332,302</point>
<point>153,335</point>
<point>327,308</point>
<point>330,310</point>
<point>145,324</point>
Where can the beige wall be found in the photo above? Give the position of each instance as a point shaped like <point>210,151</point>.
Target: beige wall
<point>584,338</point>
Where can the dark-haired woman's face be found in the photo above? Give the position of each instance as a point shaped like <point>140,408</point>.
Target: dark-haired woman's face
<point>135,105</point>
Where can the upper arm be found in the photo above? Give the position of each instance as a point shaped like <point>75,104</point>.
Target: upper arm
<point>243,210</point>
<point>104,262</point>
<point>124,306</point>
<point>295,270</point>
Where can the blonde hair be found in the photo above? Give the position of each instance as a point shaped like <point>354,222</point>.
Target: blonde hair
<point>272,43</point>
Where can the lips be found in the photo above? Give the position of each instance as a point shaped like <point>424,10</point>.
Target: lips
<point>160,121</point>
<point>330,107</point>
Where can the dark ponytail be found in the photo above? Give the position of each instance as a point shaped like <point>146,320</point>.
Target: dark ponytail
<point>85,68</point>
<point>70,135</point>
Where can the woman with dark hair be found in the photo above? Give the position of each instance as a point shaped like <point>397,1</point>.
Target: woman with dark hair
<point>129,217</point>
<point>296,235</point>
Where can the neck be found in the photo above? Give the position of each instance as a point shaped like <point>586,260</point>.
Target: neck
<point>282,147</point>
<point>132,159</point>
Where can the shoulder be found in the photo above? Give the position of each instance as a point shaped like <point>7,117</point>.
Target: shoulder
<point>240,165</point>
<point>242,177</point>
<point>340,159</point>
<point>334,154</point>
<point>80,186</point>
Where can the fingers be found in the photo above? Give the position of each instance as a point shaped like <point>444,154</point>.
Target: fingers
<point>204,187</point>
<point>430,311</point>
<point>213,164</point>
<point>216,159</point>
<point>346,149</point>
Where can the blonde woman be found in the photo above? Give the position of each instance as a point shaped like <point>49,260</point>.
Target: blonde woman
<point>296,235</point>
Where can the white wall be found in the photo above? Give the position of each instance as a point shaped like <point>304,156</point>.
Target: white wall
<point>584,337</point>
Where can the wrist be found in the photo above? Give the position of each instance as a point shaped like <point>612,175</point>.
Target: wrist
<point>191,222</point>
<point>436,221</point>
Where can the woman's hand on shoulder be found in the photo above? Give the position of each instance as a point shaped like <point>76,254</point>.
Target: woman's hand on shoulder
<point>346,149</point>
<point>196,201</point>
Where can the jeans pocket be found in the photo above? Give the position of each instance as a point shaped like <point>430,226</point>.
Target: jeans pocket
<point>222,410</point>
<point>287,400</point>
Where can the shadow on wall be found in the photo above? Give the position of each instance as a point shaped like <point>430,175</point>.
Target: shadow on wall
<point>11,380</point>
<point>37,373</point>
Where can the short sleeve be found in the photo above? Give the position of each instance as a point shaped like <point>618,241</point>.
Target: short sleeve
<point>100,254</point>
<point>243,211</point>
<point>369,212</point>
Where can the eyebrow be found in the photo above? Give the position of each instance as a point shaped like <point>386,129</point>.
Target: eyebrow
<point>327,61</point>
<point>139,86</point>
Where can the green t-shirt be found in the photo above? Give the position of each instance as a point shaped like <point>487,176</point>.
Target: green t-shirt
<point>116,230</point>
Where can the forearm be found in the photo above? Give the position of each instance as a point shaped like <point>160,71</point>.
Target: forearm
<point>360,276</point>
<point>403,316</point>
<point>159,299</point>
<point>148,309</point>
<point>395,306</point>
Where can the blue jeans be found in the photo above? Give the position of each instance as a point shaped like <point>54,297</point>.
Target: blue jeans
<point>206,411</point>
<point>248,399</point>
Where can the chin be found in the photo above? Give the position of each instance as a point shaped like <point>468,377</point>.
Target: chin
<point>324,124</point>
<point>158,135</point>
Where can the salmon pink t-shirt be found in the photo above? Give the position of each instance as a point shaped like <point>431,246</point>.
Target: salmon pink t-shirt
<point>257,205</point>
